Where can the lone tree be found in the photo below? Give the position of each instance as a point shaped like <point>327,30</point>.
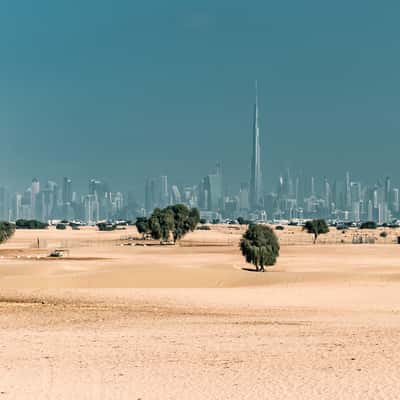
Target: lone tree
<point>7,229</point>
<point>260,246</point>
<point>316,227</point>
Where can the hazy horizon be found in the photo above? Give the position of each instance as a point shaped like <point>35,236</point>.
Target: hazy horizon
<point>124,91</point>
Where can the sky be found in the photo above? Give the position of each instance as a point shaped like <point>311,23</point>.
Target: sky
<point>121,90</point>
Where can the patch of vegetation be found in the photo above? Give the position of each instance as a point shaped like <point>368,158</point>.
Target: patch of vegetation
<point>368,225</point>
<point>30,224</point>
<point>7,229</point>
<point>105,227</point>
<point>279,228</point>
<point>61,226</point>
<point>175,221</point>
<point>316,227</point>
<point>242,221</point>
<point>260,246</point>
<point>142,226</point>
<point>203,228</point>
<point>383,234</point>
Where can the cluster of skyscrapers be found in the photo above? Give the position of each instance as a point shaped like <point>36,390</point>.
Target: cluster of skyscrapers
<point>295,197</point>
<point>51,201</point>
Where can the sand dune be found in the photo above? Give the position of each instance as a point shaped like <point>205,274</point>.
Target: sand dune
<point>324,323</point>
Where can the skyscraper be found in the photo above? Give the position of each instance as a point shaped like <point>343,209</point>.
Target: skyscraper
<point>256,178</point>
<point>35,189</point>
<point>67,190</point>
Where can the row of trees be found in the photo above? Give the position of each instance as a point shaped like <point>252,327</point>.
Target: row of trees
<point>30,224</point>
<point>172,222</point>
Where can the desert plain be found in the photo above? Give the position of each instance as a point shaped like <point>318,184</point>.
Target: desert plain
<point>114,319</point>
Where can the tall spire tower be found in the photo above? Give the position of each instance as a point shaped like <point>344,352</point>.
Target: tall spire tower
<point>256,178</point>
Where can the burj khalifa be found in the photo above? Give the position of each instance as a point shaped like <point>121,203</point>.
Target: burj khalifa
<point>256,193</point>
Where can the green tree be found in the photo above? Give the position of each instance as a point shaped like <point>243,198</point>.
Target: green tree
<point>176,220</point>
<point>316,227</point>
<point>185,220</point>
<point>7,229</point>
<point>368,225</point>
<point>154,224</point>
<point>167,223</point>
<point>103,226</point>
<point>30,224</point>
<point>260,246</point>
<point>142,225</point>
<point>194,218</point>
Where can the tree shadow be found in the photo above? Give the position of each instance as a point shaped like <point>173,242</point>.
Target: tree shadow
<point>249,269</point>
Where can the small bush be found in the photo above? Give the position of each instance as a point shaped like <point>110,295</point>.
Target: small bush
<point>203,228</point>
<point>383,234</point>
<point>279,228</point>
<point>368,225</point>
<point>106,227</point>
<point>61,226</point>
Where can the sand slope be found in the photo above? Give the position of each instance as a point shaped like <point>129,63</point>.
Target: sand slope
<point>323,324</point>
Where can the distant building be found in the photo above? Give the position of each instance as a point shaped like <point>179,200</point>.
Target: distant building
<point>256,191</point>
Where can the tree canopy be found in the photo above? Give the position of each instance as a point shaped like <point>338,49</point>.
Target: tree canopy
<point>316,227</point>
<point>7,229</point>
<point>368,225</point>
<point>260,246</point>
<point>30,224</point>
<point>176,220</point>
<point>142,225</point>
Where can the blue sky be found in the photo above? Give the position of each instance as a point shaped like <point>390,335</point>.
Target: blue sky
<point>123,89</point>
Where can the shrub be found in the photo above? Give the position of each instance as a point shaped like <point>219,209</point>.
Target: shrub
<point>30,224</point>
<point>279,228</point>
<point>203,228</point>
<point>383,234</point>
<point>368,225</point>
<point>61,226</point>
<point>102,226</point>
<point>260,246</point>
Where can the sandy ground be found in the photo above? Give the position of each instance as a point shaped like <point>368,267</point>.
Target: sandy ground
<point>322,324</point>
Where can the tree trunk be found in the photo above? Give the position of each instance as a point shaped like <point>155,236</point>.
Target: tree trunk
<point>315,238</point>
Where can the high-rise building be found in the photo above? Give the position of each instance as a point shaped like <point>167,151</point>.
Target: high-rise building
<point>35,189</point>
<point>244,197</point>
<point>150,195</point>
<point>67,190</point>
<point>348,191</point>
<point>210,191</point>
<point>388,190</point>
<point>164,192</point>
<point>175,195</point>
<point>395,200</point>
<point>256,193</point>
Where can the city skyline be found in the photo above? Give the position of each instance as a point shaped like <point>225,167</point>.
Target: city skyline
<point>100,102</point>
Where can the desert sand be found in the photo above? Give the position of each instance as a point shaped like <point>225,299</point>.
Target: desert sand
<point>112,321</point>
